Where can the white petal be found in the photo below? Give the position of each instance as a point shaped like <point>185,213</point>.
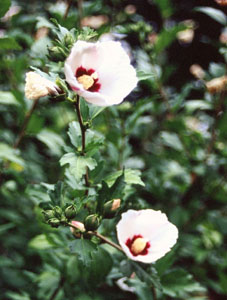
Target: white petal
<point>153,226</point>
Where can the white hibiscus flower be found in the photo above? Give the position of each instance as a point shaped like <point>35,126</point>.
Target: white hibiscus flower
<point>146,235</point>
<point>100,72</point>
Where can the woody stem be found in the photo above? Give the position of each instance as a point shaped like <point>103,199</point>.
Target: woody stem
<point>103,238</point>
<point>83,136</point>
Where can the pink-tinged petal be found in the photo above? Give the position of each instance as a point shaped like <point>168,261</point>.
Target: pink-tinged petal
<point>153,227</point>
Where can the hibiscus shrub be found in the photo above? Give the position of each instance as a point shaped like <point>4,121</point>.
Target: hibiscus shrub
<point>113,150</point>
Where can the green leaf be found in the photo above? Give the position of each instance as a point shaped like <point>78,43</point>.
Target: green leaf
<point>41,242</point>
<point>74,134</point>
<point>150,276</point>
<point>214,13</point>
<point>15,296</point>
<point>178,283</point>
<point>52,140</point>
<point>100,266</point>
<point>8,153</point>
<point>8,98</point>
<point>193,105</point>
<point>57,194</point>
<point>143,76</point>
<point>8,43</point>
<point>84,249</point>
<point>172,140</point>
<point>4,7</point>
<point>131,177</point>
<point>107,193</point>
<point>78,164</point>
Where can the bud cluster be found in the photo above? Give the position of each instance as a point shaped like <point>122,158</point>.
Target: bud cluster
<point>61,49</point>
<point>58,216</point>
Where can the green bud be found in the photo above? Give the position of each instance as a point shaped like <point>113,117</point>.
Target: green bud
<point>92,222</point>
<point>57,212</point>
<point>69,40</point>
<point>56,53</point>
<point>111,207</point>
<point>48,214</point>
<point>63,220</point>
<point>54,222</point>
<point>70,212</point>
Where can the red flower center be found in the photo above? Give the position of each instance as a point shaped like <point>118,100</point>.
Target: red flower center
<point>88,78</point>
<point>138,245</point>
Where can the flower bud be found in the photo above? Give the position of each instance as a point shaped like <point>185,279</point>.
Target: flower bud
<point>48,214</point>
<point>92,222</point>
<point>79,228</point>
<point>57,53</point>
<point>57,212</point>
<point>69,40</point>
<point>70,212</point>
<point>111,207</point>
<point>54,222</point>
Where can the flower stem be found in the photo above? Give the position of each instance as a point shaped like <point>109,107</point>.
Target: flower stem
<point>80,12</point>
<point>103,238</point>
<point>67,9</point>
<point>83,136</point>
<point>25,124</point>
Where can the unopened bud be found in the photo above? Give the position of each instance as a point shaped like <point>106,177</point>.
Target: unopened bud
<point>111,207</point>
<point>92,222</point>
<point>48,214</point>
<point>57,212</point>
<point>57,53</point>
<point>69,40</point>
<point>70,212</point>
<point>54,222</point>
<point>77,228</point>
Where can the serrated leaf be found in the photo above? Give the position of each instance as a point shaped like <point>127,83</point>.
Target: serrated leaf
<point>78,164</point>
<point>4,7</point>
<point>74,134</point>
<point>100,266</point>
<point>8,43</point>
<point>214,13</point>
<point>131,177</point>
<point>56,195</point>
<point>84,249</point>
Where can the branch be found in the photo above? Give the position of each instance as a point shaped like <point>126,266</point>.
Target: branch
<point>106,240</point>
<point>80,12</point>
<point>25,124</point>
<point>67,9</point>
<point>103,238</point>
<point>83,136</point>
